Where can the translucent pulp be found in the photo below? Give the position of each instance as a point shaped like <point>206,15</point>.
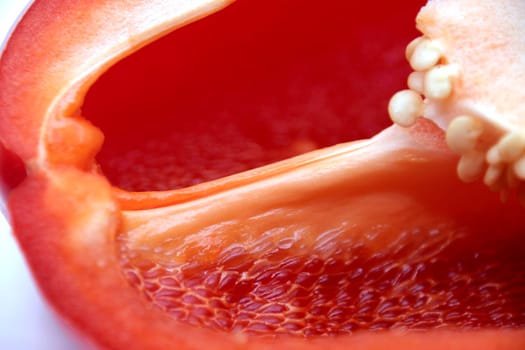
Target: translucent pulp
<point>422,280</point>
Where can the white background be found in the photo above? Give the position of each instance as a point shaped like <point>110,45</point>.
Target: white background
<point>26,322</point>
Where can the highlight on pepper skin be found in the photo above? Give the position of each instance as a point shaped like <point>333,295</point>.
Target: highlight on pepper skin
<point>26,322</point>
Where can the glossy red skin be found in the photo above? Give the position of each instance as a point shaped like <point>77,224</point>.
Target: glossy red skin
<point>68,238</point>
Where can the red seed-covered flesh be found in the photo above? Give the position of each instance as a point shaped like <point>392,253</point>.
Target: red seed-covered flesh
<point>421,280</point>
<point>263,81</point>
<point>256,83</point>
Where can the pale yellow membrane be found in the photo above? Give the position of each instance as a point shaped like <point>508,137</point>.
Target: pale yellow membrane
<point>469,61</point>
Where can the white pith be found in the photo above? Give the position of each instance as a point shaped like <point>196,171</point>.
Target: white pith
<point>488,135</point>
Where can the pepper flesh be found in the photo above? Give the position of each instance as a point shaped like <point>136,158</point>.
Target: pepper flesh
<point>77,226</point>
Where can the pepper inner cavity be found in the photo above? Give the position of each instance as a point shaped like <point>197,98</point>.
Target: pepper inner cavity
<point>424,279</point>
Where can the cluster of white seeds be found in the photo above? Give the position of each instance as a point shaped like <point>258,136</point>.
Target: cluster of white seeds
<point>430,79</point>
<point>500,160</point>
